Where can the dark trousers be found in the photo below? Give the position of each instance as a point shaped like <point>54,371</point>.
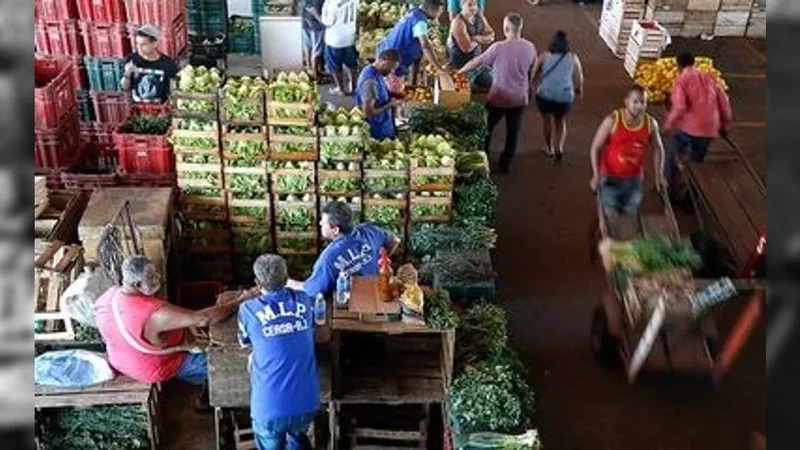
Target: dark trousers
<point>513,118</point>
<point>681,142</point>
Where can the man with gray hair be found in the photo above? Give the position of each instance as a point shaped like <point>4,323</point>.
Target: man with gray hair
<point>278,326</point>
<point>512,61</point>
<point>145,336</point>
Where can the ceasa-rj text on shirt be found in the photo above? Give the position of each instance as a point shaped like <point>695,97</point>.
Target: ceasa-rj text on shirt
<point>268,318</point>
<point>351,261</point>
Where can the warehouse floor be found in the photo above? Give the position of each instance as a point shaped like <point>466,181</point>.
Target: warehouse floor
<point>550,288</point>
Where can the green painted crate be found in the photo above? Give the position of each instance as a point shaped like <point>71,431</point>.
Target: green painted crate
<point>105,73</point>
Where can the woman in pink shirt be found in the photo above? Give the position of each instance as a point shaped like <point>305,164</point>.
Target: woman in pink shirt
<point>700,110</point>
<point>511,61</point>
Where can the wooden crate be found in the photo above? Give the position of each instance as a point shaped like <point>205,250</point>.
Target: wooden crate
<point>59,220</point>
<point>281,204</point>
<point>671,20</point>
<point>40,196</point>
<point>325,175</point>
<point>230,134</point>
<point>56,266</point>
<point>703,5</point>
<point>419,183</point>
<point>326,142</point>
<point>192,175</point>
<point>259,117</point>
<point>386,426</point>
<point>207,242</point>
<point>310,146</point>
<point>402,205</point>
<point>370,174</point>
<point>210,136</point>
<point>176,97</point>
<point>236,218</point>
<point>646,43</point>
<point>417,216</point>
<point>735,5</point>
<point>698,22</point>
<point>242,254</point>
<point>276,175</point>
<point>303,114</point>
<point>196,207</point>
<point>231,173</point>
<point>731,23</point>
<point>122,390</point>
<point>284,238</point>
<point>445,94</point>
<point>673,5</point>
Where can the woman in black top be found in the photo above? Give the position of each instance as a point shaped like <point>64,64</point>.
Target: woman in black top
<point>469,30</point>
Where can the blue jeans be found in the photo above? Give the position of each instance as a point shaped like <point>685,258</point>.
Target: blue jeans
<point>194,369</point>
<point>698,148</point>
<point>283,433</point>
<point>620,196</point>
<point>338,58</point>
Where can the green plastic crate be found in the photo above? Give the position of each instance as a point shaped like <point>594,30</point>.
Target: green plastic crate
<point>105,73</point>
<point>85,106</point>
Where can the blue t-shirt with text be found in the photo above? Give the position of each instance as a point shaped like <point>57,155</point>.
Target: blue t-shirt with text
<point>279,327</point>
<point>357,253</point>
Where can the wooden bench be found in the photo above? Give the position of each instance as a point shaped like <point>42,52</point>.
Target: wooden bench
<point>122,390</point>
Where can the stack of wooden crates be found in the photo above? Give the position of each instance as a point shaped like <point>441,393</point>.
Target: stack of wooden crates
<point>723,18</point>
<point>648,39</point>
<point>616,22</point>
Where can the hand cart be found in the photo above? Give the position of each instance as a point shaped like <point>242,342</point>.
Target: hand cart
<point>627,330</point>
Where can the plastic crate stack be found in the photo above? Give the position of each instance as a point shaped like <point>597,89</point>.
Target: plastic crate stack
<point>194,104</point>
<point>56,126</point>
<point>240,34</point>
<point>245,167</point>
<point>168,15</point>
<point>294,151</point>
<point>208,27</point>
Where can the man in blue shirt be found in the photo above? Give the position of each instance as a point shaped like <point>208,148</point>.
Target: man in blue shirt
<point>353,249</point>
<point>278,326</point>
<point>372,95</point>
<point>410,38</point>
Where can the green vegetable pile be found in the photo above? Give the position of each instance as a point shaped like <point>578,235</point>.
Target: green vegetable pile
<point>466,125</point>
<point>341,122</point>
<point>148,125</point>
<point>295,219</point>
<point>389,154</point>
<point>293,183</point>
<point>293,87</point>
<point>423,210</point>
<point>244,99</point>
<point>482,334</point>
<point>256,214</point>
<point>382,214</point>
<point>463,234</point>
<point>95,428</point>
<point>292,147</point>
<point>459,268</point>
<point>386,183</point>
<point>200,143</point>
<point>477,200</point>
<point>432,151</point>
<point>439,310</point>
<point>293,130</point>
<point>250,242</point>
<point>197,158</point>
<point>198,80</point>
<point>426,180</point>
<point>247,186</point>
<point>337,150</point>
<point>470,165</point>
<point>212,179</point>
<point>653,254</point>
<point>340,185</point>
<point>249,150</point>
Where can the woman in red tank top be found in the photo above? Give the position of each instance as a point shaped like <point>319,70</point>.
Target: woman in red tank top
<point>618,153</point>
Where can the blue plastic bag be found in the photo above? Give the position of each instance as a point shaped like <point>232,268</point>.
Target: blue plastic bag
<point>71,368</point>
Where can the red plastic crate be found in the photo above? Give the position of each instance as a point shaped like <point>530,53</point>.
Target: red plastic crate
<point>105,40</point>
<point>156,12</point>
<point>139,153</point>
<point>58,38</point>
<point>100,135</point>
<point>54,92</point>
<point>150,109</point>
<point>54,9</point>
<point>111,107</point>
<point>174,38</point>
<point>60,147</point>
<point>80,78</point>
<point>104,11</point>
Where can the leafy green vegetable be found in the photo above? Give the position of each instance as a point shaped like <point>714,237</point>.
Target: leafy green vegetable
<point>251,242</point>
<point>257,213</point>
<point>246,149</point>
<point>439,310</point>
<point>333,150</point>
<point>460,268</point>
<point>463,234</point>
<point>483,399</point>
<point>147,125</point>
<point>95,428</point>
<point>385,183</point>
<point>338,185</point>
<point>653,254</point>
<point>197,125</point>
<point>382,214</point>
<point>482,334</point>
<point>422,210</point>
<point>246,185</point>
<point>295,219</point>
<point>297,244</point>
<point>292,147</point>
<point>244,98</point>
<point>466,126</point>
<point>293,87</point>
<point>293,183</point>
<point>477,200</point>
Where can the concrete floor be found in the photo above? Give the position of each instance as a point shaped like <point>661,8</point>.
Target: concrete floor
<point>550,289</point>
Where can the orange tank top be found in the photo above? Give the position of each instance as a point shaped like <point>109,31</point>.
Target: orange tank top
<point>623,156</point>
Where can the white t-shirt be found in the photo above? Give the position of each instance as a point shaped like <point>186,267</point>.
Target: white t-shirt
<point>339,18</point>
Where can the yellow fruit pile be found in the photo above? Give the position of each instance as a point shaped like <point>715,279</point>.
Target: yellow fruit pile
<point>657,78</point>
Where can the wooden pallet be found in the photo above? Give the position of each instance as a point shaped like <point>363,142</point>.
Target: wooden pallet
<point>387,427</point>
<point>446,202</point>
<point>56,266</point>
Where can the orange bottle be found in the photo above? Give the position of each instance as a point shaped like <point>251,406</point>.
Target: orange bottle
<point>385,276</point>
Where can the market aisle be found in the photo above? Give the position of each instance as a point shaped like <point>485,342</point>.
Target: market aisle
<point>550,289</point>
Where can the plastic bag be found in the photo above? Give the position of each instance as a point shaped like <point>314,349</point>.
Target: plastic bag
<point>71,368</point>
<point>79,298</point>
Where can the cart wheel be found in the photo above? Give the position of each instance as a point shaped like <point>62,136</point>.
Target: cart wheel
<point>605,347</point>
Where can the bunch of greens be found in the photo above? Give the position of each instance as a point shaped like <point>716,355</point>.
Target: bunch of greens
<point>294,183</point>
<point>246,149</point>
<point>439,312</point>
<point>198,80</point>
<point>477,200</point>
<point>466,125</point>
<point>472,164</point>
<point>295,219</point>
<point>422,210</point>
<point>653,254</point>
<point>339,185</point>
<point>389,154</point>
<point>294,87</point>
<point>482,334</point>
<point>432,151</point>
<point>211,178</point>
<point>258,214</point>
<point>423,180</point>
<point>341,122</point>
<point>244,98</point>
<point>463,234</point>
<point>385,183</point>
<point>247,186</point>
<point>293,130</point>
<point>333,150</point>
<point>197,158</point>
<point>252,242</point>
<point>292,147</point>
<point>382,214</point>
<point>149,125</point>
<point>95,428</point>
<point>460,268</point>
<point>194,142</point>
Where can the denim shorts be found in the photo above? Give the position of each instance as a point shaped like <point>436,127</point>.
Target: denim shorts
<point>620,196</point>
<point>194,369</point>
<point>314,40</point>
<point>283,433</point>
<point>338,58</point>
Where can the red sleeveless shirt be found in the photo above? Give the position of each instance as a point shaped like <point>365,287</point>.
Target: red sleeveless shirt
<point>623,156</point>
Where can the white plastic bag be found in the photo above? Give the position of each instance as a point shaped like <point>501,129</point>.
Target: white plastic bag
<point>79,298</point>
<point>71,368</point>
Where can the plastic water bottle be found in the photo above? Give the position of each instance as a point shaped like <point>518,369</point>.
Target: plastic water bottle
<point>320,310</point>
<point>343,289</point>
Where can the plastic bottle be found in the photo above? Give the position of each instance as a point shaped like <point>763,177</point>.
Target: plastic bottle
<point>385,276</point>
<point>320,310</point>
<point>343,289</point>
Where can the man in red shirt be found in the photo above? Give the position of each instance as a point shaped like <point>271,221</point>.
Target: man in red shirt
<point>145,336</point>
<point>618,154</point>
<point>700,110</point>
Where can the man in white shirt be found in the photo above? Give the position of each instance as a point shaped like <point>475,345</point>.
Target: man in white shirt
<point>339,18</point>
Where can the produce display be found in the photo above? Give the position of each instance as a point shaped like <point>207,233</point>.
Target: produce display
<point>385,183</point>
<point>247,185</point>
<point>472,165</point>
<point>465,127</point>
<point>250,241</point>
<point>342,122</point>
<point>463,234</point>
<point>459,268</point>
<point>427,210</point>
<point>431,152</point>
<point>149,125</point>
<point>460,82</point>
<point>383,214</point>
<point>245,144</point>
<point>389,154</point>
<point>253,215</point>
<point>292,87</point>
<point>477,200</point>
<point>95,428</point>
<point>657,78</point>
<point>334,185</point>
<point>419,94</point>
<point>380,14</point>
<point>244,99</point>
<point>368,41</point>
<point>296,217</point>
<point>198,80</point>
<point>439,309</point>
<point>293,177</point>
<point>194,142</point>
<point>650,254</point>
